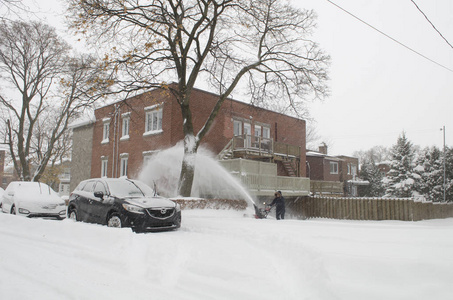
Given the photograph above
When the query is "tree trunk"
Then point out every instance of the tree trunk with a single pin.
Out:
(190, 150)
(187, 173)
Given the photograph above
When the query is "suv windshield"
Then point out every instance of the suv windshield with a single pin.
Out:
(124, 189)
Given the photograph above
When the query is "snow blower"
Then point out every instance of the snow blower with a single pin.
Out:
(261, 213)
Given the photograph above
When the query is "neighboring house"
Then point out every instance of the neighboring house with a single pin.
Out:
(125, 134)
(384, 167)
(82, 149)
(334, 175)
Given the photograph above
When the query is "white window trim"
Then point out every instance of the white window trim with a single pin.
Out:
(239, 122)
(151, 109)
(125, 117)
(105, 121)
(123, 168)
(104, 168)
(258, 128)
(263, 129)
(334, 171)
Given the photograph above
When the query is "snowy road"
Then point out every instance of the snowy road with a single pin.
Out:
(224, 255)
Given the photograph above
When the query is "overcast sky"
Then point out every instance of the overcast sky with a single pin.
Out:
(378, 88)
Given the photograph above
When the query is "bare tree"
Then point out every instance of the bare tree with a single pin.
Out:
(263, 46)
(10, 8)
(48, 88)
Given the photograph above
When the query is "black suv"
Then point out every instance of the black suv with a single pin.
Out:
(121, 202)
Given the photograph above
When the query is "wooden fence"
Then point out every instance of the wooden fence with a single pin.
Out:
(367, 208)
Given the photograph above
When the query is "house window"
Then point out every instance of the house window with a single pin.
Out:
(153, 120)
(266, 132)
(349, 169)
(248, 135)
(257, 130)
(354, 170)
(123, 169)
(333, 168)
(125, 126)
(104, 165)
(237, 127)
(106, 131)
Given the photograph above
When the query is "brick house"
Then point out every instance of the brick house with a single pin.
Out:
(126, 133)
(336, 175)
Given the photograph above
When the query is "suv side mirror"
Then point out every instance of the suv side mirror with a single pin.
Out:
(99, 195)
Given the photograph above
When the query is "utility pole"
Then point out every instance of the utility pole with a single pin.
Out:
(445, 158)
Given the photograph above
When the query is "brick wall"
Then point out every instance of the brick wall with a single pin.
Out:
(316, 171)
(347, 164)
(289, 130)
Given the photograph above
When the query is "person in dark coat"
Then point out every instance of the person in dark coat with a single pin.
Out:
(279, 203)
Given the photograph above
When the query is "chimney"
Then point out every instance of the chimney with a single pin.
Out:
(323, 148)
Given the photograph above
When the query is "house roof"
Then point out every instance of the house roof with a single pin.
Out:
(318, 154)
(83, 121)
(203, 91)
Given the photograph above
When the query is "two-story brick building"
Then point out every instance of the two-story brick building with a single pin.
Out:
(334, 175)
(126, 133)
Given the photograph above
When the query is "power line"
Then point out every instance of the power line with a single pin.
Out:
(389, 37)
(431, 23)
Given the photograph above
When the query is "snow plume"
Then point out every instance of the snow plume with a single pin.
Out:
(211, 179)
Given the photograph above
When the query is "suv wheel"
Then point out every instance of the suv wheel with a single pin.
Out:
(73, 214)
(114, 220)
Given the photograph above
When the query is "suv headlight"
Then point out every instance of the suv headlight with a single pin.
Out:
(178, 207)
(133, 208)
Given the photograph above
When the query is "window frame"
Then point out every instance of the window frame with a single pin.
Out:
(125, 126)
(104, 167)
(105, 130)
(267, 130)
(258, 129)
(334, 164)
(149, 115)
(237, 127)
(124, 163)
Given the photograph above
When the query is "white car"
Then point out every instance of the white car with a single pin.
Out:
(32, 199)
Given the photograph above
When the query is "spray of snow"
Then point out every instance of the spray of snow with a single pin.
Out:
(211, 179)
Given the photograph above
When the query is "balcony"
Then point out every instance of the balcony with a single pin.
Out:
(260, 178)
(249, 146)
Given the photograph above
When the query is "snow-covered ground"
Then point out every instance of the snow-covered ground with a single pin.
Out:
(226, 255)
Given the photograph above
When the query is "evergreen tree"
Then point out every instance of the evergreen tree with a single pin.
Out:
(401, 179)
(430, 169)
(370, 172)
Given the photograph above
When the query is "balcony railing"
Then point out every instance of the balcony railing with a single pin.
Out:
(264, 146)
(261, 179)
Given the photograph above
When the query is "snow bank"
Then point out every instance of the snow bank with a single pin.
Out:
(220, 254)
